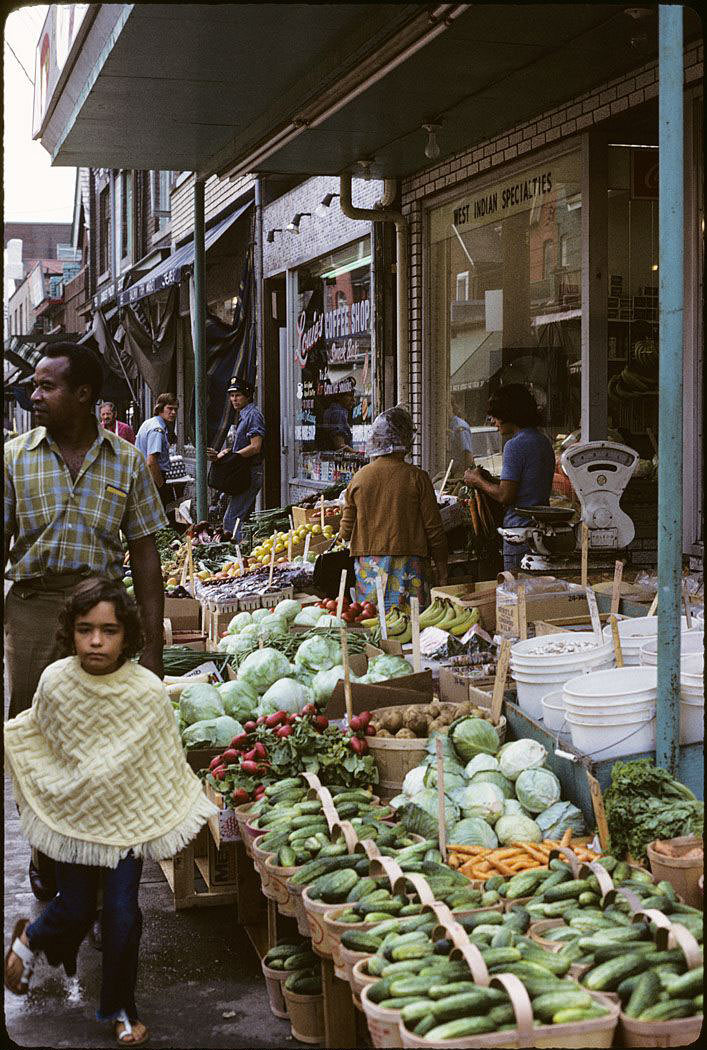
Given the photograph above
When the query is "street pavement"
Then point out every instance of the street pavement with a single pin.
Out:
(199, 986)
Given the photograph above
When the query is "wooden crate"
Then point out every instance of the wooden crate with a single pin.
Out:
(213, 856)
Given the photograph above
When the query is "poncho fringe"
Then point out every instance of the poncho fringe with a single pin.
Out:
(68, 850)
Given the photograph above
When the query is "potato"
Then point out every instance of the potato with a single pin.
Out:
(383, 732)
(392, 721)
(447, 717)
(406, 733)
(434, 709)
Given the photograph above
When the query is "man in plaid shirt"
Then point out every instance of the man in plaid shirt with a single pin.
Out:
(71, 489)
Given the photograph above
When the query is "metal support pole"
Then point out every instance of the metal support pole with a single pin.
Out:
(671, 292)
(199, 337)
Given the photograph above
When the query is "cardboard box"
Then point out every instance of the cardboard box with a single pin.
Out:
(313, 516)
(567, 600)
(570, 623)
(480, 595)
(455, 687)
(184, 613)
(408, 689)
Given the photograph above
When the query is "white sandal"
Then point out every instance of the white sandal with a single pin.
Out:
(26, 956)
(122, 1037)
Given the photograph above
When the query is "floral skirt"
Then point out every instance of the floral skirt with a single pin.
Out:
(407, 577)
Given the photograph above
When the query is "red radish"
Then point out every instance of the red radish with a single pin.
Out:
(260, 721)
(229, 756)
(370, 730)
(309, 709)
(331, 605)
(249, 756)
(239, 796)
(219, 773)
(275, 719)
(291, 719)
(240, 741)
(248, 766)
(358, 745)
(365, 717)
(250, 726)
(284, 731)
(260, 750)
(356, 724)
(320, 722)
(259, 790)
(215, 762)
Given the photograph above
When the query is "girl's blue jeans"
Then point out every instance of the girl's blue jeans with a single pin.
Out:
(62, 926)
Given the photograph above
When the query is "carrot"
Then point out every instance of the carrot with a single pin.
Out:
(473, 850)
(536, 852)
(566, 838)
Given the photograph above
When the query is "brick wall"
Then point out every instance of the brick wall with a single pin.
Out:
(218, 194)
(317, 236)
(548, 128)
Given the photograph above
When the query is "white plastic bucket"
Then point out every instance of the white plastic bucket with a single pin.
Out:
(553, 710)
(612, 712)
(633, 634)
(531, 688)
(692, 721)
(528, 655)
(690, 642)
(618, 683)
(693, 666)
(611, 741)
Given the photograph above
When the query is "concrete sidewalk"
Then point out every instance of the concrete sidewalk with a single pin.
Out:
(200, 982)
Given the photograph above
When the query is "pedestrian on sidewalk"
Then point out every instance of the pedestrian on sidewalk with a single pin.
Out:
(92, 762)
(71, 489)
(109, 420)
(153, 441)
(244, 439)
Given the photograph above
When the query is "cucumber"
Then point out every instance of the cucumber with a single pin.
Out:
(588, 898)
(607, 976)
(375, 966)
(414, 1012)
(332, 849)
(362, 887)
(523, 885)
(625, 989)
(409, 986)
(286, 857)
(573, 1014)
(379, 991)
(460, 1029)
(494, 882)
(460, 1005)
(305, 985)
(395, 1002)
(503, 938)
(557, 908)
(396, 969)
(282, 951)
(618, 948)
(348, 916)
(550, 960)
(669, 1010)
(379, 907)
(442, 991)
(360, 941)
(301, 961)
(644, 994)
(525, 969)
(409, 951)
(425, 1025)
(565, 890)
(546, 1006)
(500, 956)
(502, 1014)
(336, 887)
(687, 984)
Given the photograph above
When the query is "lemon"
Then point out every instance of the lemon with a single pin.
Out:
(316, 530)
(172, 582)
(265, 560)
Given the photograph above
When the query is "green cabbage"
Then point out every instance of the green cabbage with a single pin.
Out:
(453, 774)
(302, 675)
(308, 617)
(473, 736)
(285, 695)
(519, 755)
(288, 608)
(414, 781)
(473, 831)
(263, 667)
(239, 699)
(389, 666)
(272, 626)
(239, 621)
(495, 777)
(330, 620)
(420, 815)
(198, 702)
(259, 614)
(480, 800)
(397, 801)
(249, 631)
(237, 644)
(212, 732)
(537, 789)
(511, 807)
(318, 654)
(517, 828)
(554, 821)
(324, 683)
(447, 746)
(480, 763)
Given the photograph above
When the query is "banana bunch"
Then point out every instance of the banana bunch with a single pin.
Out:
(399, 626)
(449, 617)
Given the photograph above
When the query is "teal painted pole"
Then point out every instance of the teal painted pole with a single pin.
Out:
(199, 337)
(671, 293)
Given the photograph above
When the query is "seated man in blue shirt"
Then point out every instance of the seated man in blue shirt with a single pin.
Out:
(528, 464)
(152, 440)
(335, 429)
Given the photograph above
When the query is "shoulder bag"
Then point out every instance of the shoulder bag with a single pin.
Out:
(231, 474)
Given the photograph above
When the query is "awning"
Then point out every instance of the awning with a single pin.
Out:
(170, 270)
(22, 354)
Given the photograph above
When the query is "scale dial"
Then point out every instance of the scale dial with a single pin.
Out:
(599, 472)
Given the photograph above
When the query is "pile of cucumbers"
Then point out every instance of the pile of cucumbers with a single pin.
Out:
(302, 965)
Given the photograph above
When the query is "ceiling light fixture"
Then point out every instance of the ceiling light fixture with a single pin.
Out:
(270, 236)
(322, 209)
(432, 150)
(293, 227)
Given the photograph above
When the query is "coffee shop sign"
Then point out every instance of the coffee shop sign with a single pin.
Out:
(346, 320)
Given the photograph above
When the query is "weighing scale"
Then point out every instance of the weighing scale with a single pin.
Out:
(599, 472)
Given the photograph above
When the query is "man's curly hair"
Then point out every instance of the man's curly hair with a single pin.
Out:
(89, 593)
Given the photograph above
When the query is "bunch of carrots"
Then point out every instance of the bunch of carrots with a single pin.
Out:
(480, 862)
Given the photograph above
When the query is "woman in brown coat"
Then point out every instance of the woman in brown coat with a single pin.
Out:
(392, 520)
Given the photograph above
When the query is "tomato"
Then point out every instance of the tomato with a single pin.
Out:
(331, 605)
(284, 731)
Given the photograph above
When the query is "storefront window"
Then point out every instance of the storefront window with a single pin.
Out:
(505, 294)
(632, 314)
(333, 377)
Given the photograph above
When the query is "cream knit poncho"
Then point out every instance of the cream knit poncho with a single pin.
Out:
(98, 768)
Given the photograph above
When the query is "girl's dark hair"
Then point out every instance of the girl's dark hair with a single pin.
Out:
(515, 404)
(90, 593)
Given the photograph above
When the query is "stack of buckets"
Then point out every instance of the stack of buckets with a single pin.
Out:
(692, 697)
(634, 633)
(537, 673)
(612, 713)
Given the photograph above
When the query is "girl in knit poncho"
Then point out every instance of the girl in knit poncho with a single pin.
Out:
(101, 782)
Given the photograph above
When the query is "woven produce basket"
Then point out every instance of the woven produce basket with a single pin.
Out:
(597, 1032)
(306, 1013)
(298, 907)
(537, 929)
(383, 1024)
(396, 756)
(683, 1031)
(683, 875)
(334, 932)
(241, 815)
(259, 857)
(274, 981)
(277, 886)
(322, 938)
(359, 977)
(249, 834)
(349, 959)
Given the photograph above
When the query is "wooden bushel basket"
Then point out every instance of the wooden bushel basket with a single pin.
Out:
(306, 1013)
(274, 981)
(278, 886)
(683, 1031)
(383, 1024)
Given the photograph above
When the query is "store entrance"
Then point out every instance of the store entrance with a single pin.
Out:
(274, 324)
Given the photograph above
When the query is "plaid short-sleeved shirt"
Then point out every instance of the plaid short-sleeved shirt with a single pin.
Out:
(63, 526)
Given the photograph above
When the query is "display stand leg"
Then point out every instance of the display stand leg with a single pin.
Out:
(339, 1010)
